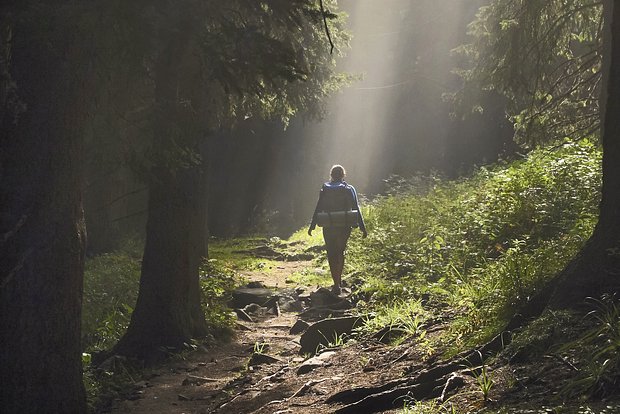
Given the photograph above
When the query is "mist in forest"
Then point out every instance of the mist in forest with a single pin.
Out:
(393, 119)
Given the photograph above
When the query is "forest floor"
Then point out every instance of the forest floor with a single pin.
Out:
(258, 371)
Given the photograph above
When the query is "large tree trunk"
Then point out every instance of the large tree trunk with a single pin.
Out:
(596, 269)
(168, 311)
(41, 231)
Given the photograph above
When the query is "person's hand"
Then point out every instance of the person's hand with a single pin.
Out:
(364, 234)
(310, 232)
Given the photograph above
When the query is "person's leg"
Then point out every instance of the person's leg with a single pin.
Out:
(343, 238)
(336, 243)
(332, 259)
(330, 235)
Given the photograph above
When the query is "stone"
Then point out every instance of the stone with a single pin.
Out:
(255, 309)
(260, 359)
(323, 297)
(324, 332)
(315, 362)
(317, 314)
(245, 296)
(299, 327)
(243, 315)
(290, 304)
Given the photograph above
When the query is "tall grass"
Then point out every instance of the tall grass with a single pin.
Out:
(485, 244)
(110, 292)
(111, 283)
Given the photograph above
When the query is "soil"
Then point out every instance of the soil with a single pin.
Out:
(222, 380)
(230, 385)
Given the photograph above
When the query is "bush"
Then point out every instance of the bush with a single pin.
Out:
(484, 244)
(217, 282)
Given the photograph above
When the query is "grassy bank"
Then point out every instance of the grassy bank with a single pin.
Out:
(481, 246)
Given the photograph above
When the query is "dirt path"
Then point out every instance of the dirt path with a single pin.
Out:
(224, 380)
(220, 380)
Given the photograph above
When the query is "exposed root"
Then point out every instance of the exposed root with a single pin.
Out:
(434, 382)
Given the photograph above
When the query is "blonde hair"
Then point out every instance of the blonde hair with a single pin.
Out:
(337, 172)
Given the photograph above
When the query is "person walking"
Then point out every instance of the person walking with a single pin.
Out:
(338, 212)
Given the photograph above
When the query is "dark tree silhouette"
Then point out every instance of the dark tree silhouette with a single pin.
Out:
(43, 102)
(168, 311)
(596, 269)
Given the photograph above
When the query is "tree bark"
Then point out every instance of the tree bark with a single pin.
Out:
(41, 230)
(168, 311)
(596, 269)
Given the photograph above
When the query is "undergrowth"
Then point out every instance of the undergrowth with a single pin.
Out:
(479, 247)
(111, 284)
(110, 292)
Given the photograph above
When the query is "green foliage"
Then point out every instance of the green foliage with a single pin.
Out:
(483, 380)
(597, 353)
(544, 57)
(217, 283)
(233, 255)
(335, 341)
(428, 407)
(482, 245)
(273, 56)
(111, 284)
(405, 316)
(540, 336)
(260, 348)
(311, 277)
(110, 292)
(116, 380)
(240, 60)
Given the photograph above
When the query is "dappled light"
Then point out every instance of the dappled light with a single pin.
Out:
(310, 206)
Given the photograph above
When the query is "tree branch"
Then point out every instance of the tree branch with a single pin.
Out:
(329, 36)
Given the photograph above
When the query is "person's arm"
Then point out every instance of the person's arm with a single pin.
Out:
(316, 211)
(356, 205)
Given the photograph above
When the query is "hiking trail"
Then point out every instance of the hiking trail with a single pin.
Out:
(259, 370)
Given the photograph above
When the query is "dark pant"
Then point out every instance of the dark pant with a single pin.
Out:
(336, 242)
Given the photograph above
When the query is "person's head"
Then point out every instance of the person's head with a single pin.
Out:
(337, 173)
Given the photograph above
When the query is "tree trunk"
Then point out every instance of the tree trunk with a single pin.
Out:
(41, 231)
(596, 269)
(168, 311)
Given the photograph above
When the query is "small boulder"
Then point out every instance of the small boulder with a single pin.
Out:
(243, 315)
(316, 362)
(255, 309)
(260, 359)
(323, 297)
(325, 331)
(290, 304)
(299, 327)
(245, 296)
